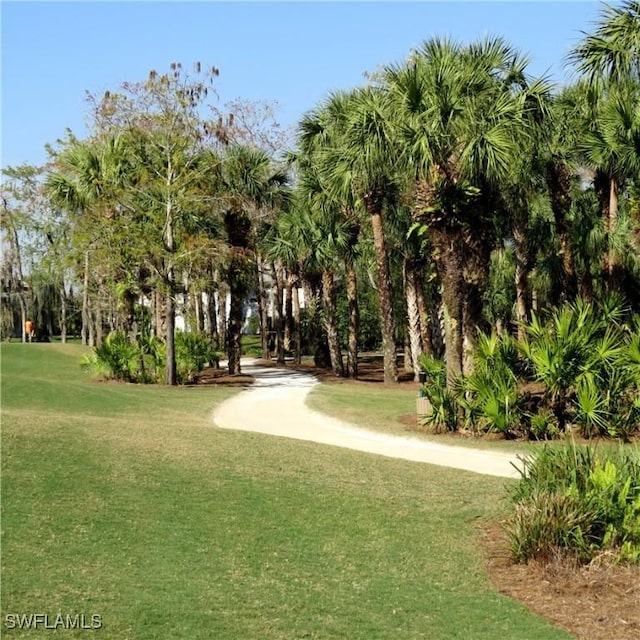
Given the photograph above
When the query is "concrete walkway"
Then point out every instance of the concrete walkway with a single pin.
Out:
(276, 405)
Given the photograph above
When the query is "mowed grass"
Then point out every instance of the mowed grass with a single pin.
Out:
(126, 502)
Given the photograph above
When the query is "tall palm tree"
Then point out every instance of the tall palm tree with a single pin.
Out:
(459, 112)
(362, 163)
(88, 180)
(252, 185)
(612, 52)
(320, 140)
(608, 120)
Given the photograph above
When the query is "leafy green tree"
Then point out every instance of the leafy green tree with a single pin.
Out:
(87, 180)
(362, 164)
(321, 141)
(609, 61)
(612, 52)
(13, 282)
(167, 134)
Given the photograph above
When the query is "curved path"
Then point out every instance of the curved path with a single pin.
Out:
(276, 405)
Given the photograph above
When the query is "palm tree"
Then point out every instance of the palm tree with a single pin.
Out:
(609, 61)
(459, 112)
(612, 52)
(611, 146)
(321, 137)
(608, 144)
(87, 181)
(362, 163)
(252, 185)
(315, 240)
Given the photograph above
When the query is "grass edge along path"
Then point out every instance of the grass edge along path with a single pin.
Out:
(381, 408)
(123, 501)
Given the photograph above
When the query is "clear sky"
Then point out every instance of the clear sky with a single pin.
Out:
(290, 52)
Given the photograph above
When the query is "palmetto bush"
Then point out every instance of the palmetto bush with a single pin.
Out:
(578, 502)
(585, 357)
(193, 352)
(489, 396)
(115, 358)
(144, 361)
(582, 361)
(443, 413)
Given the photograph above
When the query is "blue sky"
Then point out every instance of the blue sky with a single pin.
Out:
(290, 52)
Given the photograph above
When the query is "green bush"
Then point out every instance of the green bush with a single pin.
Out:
(578, 502)
(144, 361)
(578, 367)
(489, 396)
(153, 358)
(193, 353)
(115, 358)
(442, 416)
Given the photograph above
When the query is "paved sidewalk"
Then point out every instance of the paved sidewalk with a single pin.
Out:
(276, 405)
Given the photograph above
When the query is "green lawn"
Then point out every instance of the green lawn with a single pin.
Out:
(124, 501)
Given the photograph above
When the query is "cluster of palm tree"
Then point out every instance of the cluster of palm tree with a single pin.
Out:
(453, 189)
(455, 166)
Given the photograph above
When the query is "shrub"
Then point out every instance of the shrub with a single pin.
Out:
(490, 395)
(145, 360)
(443, 413)
(193, 352)
(115, 358)
(153, 358)
(578, 502)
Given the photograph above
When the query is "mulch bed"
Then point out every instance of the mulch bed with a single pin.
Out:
(594, 602)
(213, 376)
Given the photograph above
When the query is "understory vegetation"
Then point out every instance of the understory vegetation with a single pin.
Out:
(577, 368)
(144, 360)
(579, 503)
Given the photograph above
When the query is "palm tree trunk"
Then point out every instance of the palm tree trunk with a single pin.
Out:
(522, 271)
(331, 323)
(236, 305)
(199, 311)
(288, 309)
(278, 313)
(559, 185)
(212, 315)
(86, 315)
(426, 334)
(384, 290)
(451, 263)
(171, 370)
(170, 376)
(413, 316)
(63, 314)
(612, 225)
(262, 307)
(98, 314)
(354, 320)
(297, 346)
(222, 314)
(602, 186)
